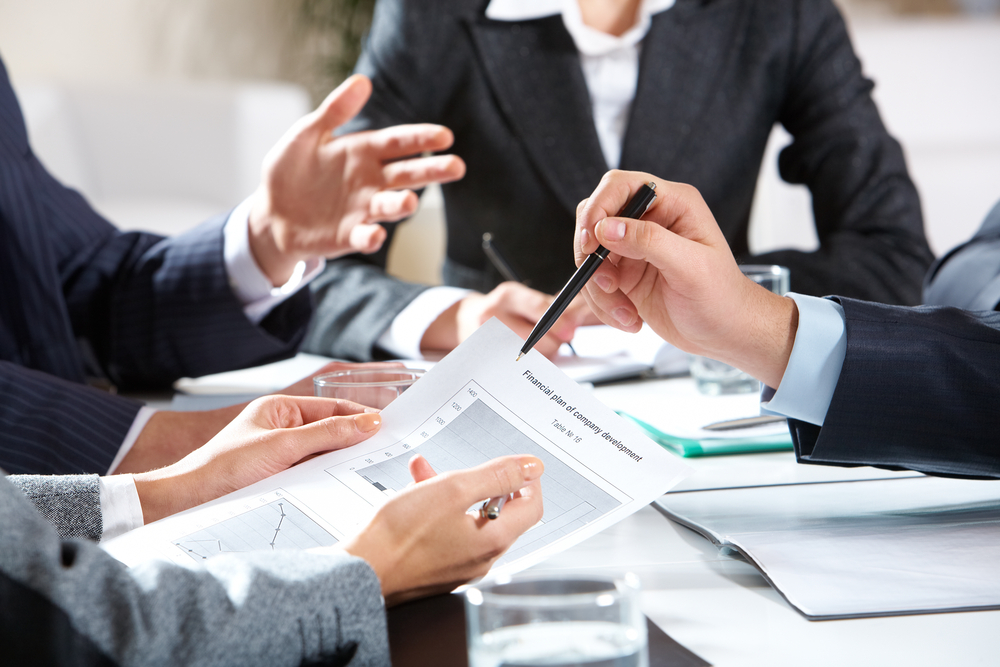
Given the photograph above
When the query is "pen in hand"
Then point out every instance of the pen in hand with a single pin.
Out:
(491, 508)
(633, 209)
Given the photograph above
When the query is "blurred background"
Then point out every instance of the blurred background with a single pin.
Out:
(160, 111)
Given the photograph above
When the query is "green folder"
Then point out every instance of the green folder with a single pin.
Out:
(689, 447)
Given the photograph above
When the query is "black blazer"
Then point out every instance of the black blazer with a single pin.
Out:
(919, 390)
(714, 77)
(78, 298)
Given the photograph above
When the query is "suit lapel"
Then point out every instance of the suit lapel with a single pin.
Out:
(680, 69)
(534, 70)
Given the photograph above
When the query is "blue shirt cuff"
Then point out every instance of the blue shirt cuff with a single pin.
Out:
(814, 366)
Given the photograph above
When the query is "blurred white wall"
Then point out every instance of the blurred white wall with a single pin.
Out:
(937, 84)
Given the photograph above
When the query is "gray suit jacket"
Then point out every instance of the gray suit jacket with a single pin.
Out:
(67, 602)
(714, 77)
(969, 275)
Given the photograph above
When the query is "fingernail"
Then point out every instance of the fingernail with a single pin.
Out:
(584, 237)
(623, 315)
(367, 421)
(603, 282)
(373, 410)
(532, 467)
(614, 230)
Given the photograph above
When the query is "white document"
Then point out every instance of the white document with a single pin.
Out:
(851, 549)
(474, 405)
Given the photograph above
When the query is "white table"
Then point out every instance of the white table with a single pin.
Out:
(721, 608)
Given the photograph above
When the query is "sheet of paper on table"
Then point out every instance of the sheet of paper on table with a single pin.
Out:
(853, 549)
(474, 405)
(675, 416)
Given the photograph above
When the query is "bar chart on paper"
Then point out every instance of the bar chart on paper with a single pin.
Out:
(276, 524)
(471, 428)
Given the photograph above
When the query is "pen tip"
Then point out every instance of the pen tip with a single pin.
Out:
(519, 357)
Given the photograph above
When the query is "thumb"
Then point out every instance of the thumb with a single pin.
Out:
(334, 433)
(343, 103)
(647, 241)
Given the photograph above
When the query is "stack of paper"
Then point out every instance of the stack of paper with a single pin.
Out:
(851, 549)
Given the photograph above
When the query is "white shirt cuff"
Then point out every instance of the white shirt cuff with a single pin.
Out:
(814, 366)
(121, 510)
(141, 419)
(402, 338)
(253, 289)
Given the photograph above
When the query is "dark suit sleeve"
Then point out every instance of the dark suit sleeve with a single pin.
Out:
(52, 426)
(918, 390)
(154, 309)
(69, 602)
(867, 212)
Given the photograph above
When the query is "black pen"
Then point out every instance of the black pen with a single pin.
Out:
(501, 264)
(633, 209)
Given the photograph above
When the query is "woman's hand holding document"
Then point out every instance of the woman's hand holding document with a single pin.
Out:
(478, 418)
(423, 542)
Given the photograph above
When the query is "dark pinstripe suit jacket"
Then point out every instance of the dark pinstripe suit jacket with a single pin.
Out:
(919, 389)
(79, 298)
(714, 77)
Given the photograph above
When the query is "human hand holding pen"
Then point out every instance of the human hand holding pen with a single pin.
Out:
(423, 541)
(674, 270)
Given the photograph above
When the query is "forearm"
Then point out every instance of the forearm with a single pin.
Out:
(761, 339)
(299, 608)
(170, 436)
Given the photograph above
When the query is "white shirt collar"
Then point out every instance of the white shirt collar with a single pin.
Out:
(588, 41)
(526, 10)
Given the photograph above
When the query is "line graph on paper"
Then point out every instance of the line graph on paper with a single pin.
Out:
(276, 523)
(473, 427)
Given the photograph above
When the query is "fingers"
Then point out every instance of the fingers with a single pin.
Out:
(392, 205)
(313, 408)
(420, 469)
(420, 171)
(405, 140)
(343, 103)
(366, 238)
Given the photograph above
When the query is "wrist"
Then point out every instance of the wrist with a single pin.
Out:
(169, 436)
(162, 493)
(764, 342)
(268, 250)
(442, 334)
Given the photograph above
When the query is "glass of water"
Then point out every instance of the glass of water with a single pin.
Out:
(585, 621)
(714, 377)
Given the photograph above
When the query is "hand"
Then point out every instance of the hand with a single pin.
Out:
(674, 270)
(272, 434)
(321, 196)
(169, 436)
(515, 305)
(423, 541)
